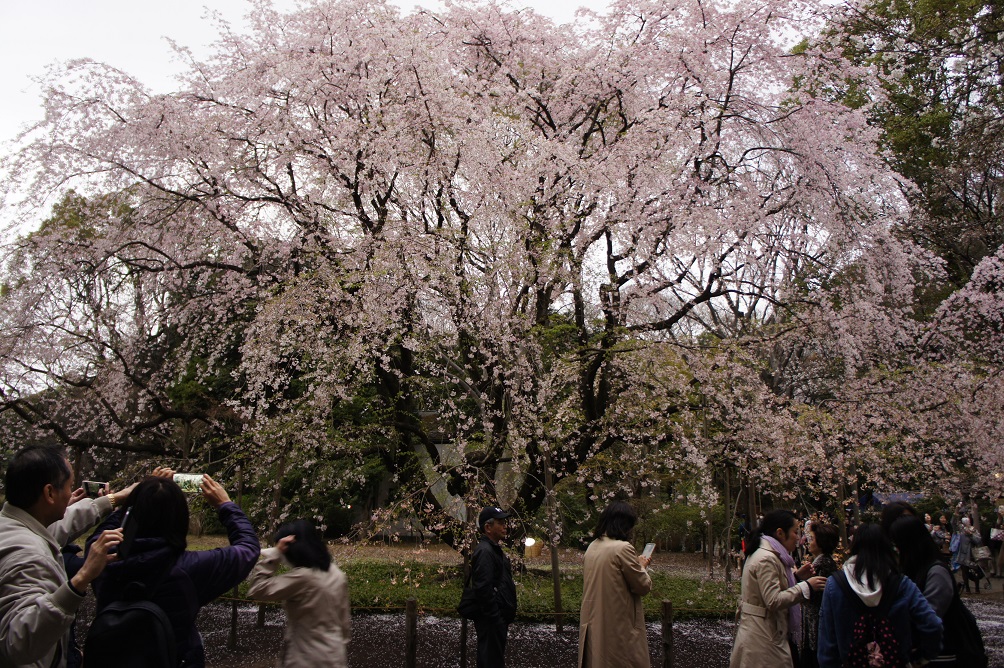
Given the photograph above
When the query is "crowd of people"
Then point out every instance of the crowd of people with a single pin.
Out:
(137, 558)
(893, 601)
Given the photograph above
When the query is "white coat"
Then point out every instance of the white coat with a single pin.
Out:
(318, 621)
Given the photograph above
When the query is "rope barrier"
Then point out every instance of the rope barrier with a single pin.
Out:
(720, 612)
(412, 611)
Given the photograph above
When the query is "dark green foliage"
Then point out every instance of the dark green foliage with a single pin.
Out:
(941, 65)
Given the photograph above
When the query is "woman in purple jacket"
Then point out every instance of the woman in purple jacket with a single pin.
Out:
(158, 566)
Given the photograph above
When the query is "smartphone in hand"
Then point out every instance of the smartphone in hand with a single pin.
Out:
(129, 527)
(648, 551)
(189, 482)
(93, 488)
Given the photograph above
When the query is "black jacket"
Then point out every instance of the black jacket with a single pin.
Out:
(491, 579)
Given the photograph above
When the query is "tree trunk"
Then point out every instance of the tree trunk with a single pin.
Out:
(552, 513)
(730, 517)
(841, 515)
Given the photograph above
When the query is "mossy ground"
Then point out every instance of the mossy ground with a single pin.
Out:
(383, 577)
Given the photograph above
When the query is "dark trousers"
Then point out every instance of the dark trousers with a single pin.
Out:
(796, 661)
(491, 643)
(971, 574)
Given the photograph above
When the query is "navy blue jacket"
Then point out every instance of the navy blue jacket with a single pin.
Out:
(185, 581)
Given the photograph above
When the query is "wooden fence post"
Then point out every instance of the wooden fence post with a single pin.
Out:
(411, 633)
(667, 634)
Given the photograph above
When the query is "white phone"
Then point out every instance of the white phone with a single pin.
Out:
(649, 549)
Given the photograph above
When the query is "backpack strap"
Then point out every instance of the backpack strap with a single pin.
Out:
(926, 571)
(841, 578)
(890, 591)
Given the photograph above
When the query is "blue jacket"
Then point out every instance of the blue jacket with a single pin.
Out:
(185, 581)
(911, 617)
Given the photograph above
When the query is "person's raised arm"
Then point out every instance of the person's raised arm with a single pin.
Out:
(215, 571)
(263, 586)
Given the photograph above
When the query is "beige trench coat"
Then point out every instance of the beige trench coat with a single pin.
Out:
(612, 624)
(762, 639)
(318, 622)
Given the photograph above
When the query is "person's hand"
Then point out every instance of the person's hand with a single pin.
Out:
(213, 492)
(817, 582)
(163, 472)
(122, 495)
(97, 558)
(645, 561)
(77, 495)
(284, 543)
(805, 572)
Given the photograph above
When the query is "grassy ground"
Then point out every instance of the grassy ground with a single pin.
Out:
(384, 577)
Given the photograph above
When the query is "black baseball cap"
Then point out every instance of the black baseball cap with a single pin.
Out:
(490, 513)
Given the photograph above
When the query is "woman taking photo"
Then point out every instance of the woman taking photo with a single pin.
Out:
(770, 615)
(870, 582)
(160, 566)
(314, 594)
(612, 620)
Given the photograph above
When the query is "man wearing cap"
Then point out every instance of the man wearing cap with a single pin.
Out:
(491, 579)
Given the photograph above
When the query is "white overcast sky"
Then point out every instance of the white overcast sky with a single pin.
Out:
(129, 35)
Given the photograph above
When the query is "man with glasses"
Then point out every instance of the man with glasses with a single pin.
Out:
(491, 579)
(41, 515)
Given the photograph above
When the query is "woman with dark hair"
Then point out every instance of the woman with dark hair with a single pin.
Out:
(870, 581)
(893, 511)
(922, 561)
(944, 530)
(157, 566)
(823, 540)
(314, 594)
(612, 620)
(770, 618)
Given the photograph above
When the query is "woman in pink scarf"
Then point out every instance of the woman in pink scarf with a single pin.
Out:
(770, 616)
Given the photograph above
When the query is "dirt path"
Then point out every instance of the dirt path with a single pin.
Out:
(378, 640)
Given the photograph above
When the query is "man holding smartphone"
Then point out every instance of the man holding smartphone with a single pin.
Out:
(37, 601)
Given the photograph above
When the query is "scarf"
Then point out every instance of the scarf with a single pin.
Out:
(795, 611)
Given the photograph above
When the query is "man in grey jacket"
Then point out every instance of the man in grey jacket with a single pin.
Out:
(37, 602)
